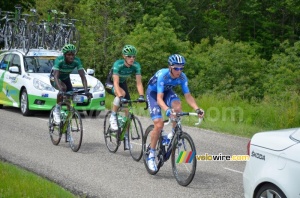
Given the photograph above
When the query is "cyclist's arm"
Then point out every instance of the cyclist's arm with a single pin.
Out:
(83, 79)
(139, 84)
(191, 101)
(56, 79)
(116, 80)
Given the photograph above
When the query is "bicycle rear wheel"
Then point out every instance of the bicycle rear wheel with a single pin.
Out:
(75, 131)
(111, 137)
(146, 151)
(136, 139)
(54, 130)
(183, 159)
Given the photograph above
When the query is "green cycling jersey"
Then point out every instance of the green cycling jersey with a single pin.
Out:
(64, 68)
(120, 69)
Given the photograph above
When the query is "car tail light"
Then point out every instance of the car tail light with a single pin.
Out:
(248, 147)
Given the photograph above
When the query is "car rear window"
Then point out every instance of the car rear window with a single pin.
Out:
(39, 64)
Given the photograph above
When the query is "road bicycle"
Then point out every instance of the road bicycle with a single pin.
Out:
(130, 125)
(6, 29)
(181, 149)
(71, 122)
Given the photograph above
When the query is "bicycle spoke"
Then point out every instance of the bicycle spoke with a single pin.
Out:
(75, 131)
(136, 139)
(111, 138)
(54, 130)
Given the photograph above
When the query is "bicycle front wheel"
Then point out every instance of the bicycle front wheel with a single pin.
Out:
(54, 130)
(136, 139)
(111, 137)
(75, 131)
(183, 159)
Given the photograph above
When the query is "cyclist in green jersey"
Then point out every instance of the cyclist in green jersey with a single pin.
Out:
(60, 75)
(116, 82)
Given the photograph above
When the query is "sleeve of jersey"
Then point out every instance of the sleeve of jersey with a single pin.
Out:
(56, 64)
(184, 85)
(116, 68)
(79, 64)
(138, 69)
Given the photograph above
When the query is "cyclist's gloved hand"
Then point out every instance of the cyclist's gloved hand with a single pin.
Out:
(122, 99)
(141, 98)
(168, 112)
(200, 112)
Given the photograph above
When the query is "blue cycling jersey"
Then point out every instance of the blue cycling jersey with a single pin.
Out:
(162, 81)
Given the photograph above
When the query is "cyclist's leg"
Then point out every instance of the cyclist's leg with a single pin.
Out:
(56, 112)
(172, 100)
(155, 114)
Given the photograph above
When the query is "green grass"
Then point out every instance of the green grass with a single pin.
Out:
(17, 182)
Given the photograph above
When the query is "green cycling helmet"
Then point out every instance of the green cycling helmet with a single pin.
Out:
(129, 50)
(68, 48)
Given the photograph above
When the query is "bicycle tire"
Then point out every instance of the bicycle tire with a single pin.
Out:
(54, 130)
(75, 130)
(184, 168)
(111, 138)
(146, 148)
(9, 35)
(135, 138)
(74, 38)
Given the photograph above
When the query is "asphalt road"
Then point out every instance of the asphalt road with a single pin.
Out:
(95, 172)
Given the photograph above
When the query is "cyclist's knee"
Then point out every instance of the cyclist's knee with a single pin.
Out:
(158, 124)
(176, 106)
(116, 101)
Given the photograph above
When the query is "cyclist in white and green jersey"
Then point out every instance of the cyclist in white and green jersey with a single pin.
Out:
(116, 82)
(60, 75)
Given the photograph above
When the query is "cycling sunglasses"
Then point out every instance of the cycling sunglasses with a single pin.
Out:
(130, 56)
(178, 68)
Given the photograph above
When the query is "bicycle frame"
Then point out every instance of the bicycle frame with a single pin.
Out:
(129, 116)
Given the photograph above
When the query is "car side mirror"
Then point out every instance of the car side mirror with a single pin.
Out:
(14, 69)
(90, 72)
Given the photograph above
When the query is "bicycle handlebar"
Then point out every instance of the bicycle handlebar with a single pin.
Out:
(184, 114)
(134, 101)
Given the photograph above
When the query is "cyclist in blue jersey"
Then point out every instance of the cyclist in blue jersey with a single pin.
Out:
(160, 95)
(60, 75)
(116, 83)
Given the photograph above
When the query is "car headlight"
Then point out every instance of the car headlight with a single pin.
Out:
(38, 84)
(98, 87)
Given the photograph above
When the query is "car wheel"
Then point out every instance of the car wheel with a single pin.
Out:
(1, 106)
(270, 190)
(24, 105)
(93, 113)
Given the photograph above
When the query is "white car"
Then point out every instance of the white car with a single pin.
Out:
(24, 82)
(274, 166)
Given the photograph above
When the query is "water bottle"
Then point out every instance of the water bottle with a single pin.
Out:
(63, 115)
(165, 139)
(121, 120)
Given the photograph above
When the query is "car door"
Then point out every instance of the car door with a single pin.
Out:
(4, 64)
(13, 81)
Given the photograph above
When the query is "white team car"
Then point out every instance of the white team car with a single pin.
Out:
(24, 82)
(274, 166)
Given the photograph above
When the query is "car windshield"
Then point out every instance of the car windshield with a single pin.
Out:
(41, 64)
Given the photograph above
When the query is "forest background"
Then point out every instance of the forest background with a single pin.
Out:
(243, 57)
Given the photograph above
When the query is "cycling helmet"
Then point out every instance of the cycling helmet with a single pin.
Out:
(176, 59)
(129, 50)
(68, 48)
